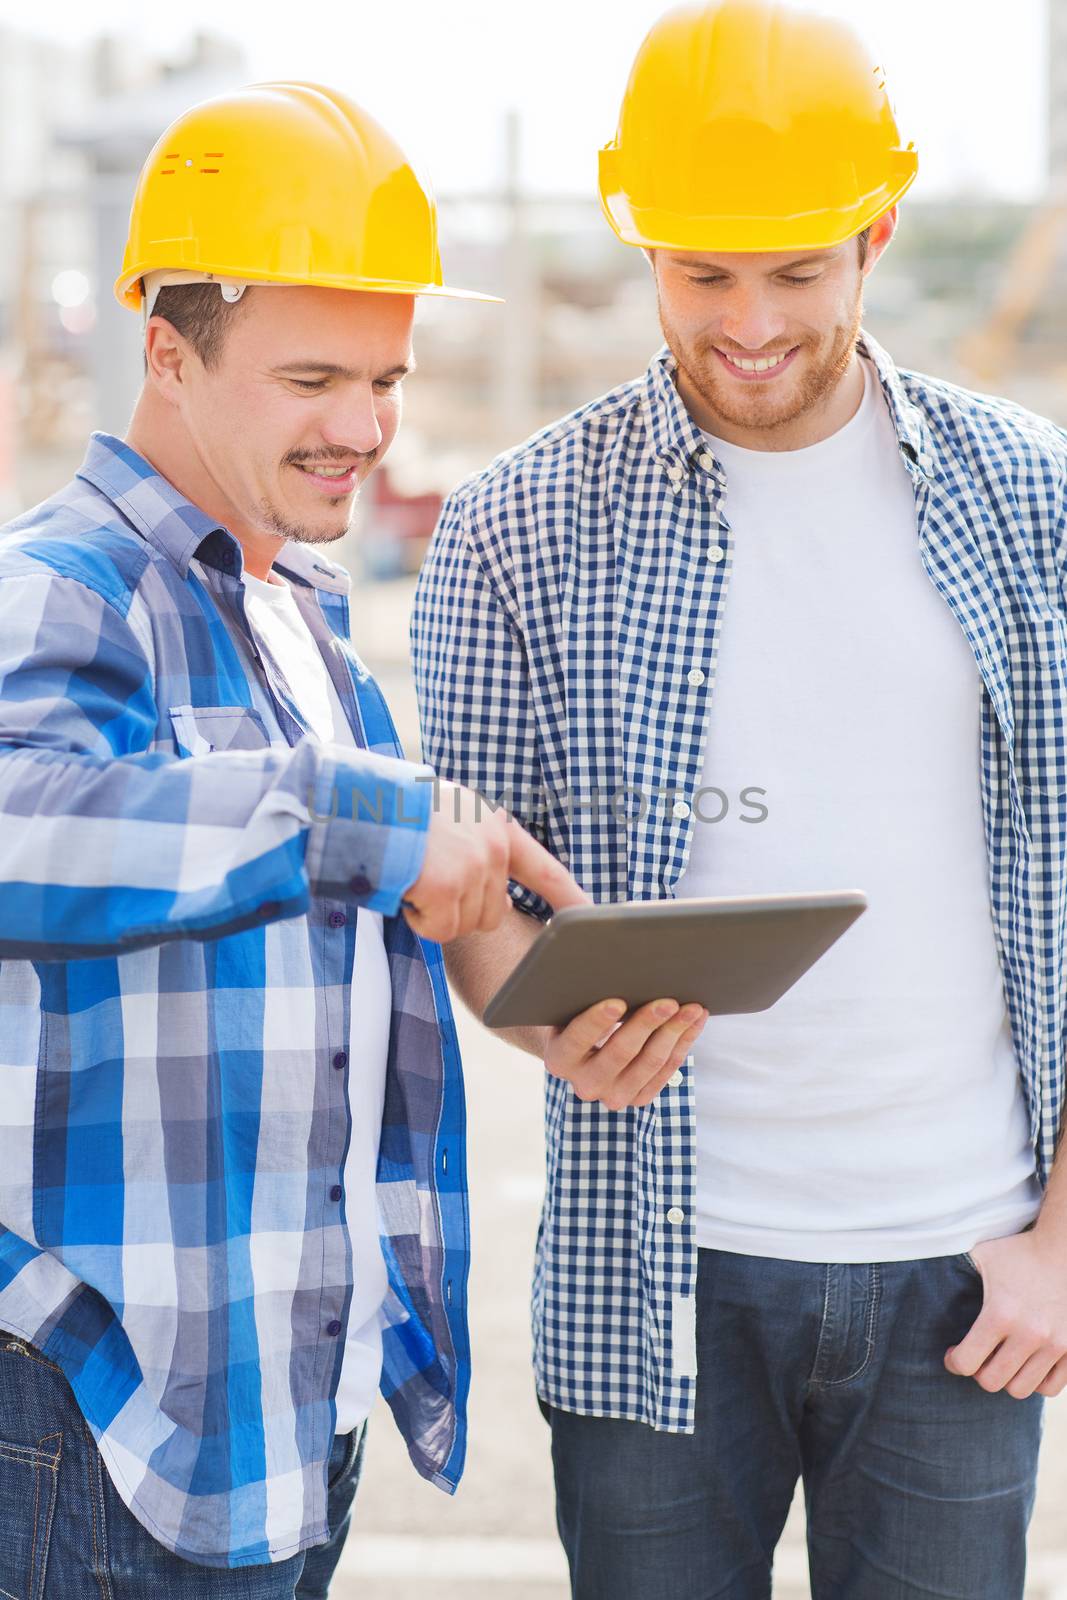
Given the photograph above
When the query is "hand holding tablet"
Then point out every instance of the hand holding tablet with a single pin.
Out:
(623, 1063)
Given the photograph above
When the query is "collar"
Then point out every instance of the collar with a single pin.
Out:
(178, 529)
(681, 447)
(677, 442)
(913, 432)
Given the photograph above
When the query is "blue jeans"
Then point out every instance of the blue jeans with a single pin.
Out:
(917, 1483)
(66, 1535)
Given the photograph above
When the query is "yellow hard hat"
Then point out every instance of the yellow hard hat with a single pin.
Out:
(284, 183)
(753, 125)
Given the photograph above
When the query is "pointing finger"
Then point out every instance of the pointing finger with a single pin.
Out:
(530, 864)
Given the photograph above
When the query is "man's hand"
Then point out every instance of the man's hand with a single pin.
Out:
(1019, 1340)
(471, 853)
(623, 1063)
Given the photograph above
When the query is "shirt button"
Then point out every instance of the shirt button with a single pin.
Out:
(340, 1059)
(676, 1214)
(705, 459)
(695, 676)
(359, 884)
(680, 809)
(337, 919)
(716, 553)
(336, 1192)
(675, 1079)
(333, 1328)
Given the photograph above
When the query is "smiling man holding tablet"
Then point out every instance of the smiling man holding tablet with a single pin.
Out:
(833, 1242)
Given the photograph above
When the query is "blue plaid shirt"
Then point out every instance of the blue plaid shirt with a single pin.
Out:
(181, 871)
(569, 590)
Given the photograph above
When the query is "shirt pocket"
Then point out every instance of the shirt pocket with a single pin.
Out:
(200, 729)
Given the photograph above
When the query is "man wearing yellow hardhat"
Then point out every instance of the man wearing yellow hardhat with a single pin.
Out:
(233, 1192)
(778, 617)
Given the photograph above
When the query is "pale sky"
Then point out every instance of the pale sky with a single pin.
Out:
(967, 76)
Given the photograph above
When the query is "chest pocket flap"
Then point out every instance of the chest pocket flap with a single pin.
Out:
(201, 729)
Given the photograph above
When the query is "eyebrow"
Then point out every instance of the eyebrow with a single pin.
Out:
(786, 266)
(331, 369)
(807, 261)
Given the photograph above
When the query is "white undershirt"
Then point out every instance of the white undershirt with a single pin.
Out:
(876, 1111)
(275, 619)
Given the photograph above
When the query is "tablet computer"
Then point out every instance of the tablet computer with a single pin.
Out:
(730, 955)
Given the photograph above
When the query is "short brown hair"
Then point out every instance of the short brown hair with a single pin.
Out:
(199, 313)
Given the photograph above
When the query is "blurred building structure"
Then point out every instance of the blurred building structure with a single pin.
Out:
(1019, 345)
(35, 79)
(1057, 89)
(75, 125)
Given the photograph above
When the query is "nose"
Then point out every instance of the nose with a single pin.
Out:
(351, 422)
(749, 318)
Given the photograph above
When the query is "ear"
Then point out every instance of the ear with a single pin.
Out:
(882, 232)
(165, 354)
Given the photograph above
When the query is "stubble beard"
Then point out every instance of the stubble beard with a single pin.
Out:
(818, 379)
(299, 533)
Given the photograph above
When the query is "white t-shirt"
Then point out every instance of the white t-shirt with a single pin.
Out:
(275, 618)
(876, 1111)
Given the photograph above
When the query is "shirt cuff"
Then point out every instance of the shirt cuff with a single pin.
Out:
(369, 826)
(525, 900)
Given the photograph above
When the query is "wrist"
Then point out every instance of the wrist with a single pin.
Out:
(1049, 1233)
(533, 1041)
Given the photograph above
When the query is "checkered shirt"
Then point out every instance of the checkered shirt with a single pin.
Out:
(181, 871)
(569, 590)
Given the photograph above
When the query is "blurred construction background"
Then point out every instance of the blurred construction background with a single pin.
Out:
(507, 114)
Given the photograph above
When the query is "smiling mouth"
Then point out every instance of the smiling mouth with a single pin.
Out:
(328, 476)
(755, 367)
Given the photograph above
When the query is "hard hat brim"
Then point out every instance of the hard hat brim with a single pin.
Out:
(654, 229)
(128, 285)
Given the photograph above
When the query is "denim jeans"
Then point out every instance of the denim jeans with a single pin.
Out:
(66, 1535)
(917, 1483)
